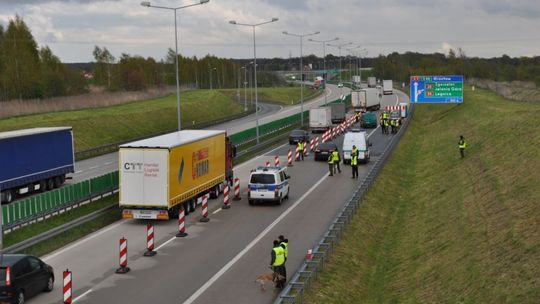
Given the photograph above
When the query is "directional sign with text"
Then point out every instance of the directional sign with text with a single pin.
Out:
(436, 89)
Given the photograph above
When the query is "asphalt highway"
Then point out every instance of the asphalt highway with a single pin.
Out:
(218, 261)
(104, 164)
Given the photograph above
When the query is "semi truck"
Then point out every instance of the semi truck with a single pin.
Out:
(161, 175)
(320, 119)
(338, 112)
(366, 100)
(372, 82)
(36, 159)
(388, 87)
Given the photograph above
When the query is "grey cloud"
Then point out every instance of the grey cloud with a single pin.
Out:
(289, 4)
(525, 9)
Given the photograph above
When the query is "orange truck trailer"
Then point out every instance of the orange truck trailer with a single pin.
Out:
(162, 174)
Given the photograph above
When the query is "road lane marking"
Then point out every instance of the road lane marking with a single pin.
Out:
(218, 210)
(227, 266)
(167, 242)
(98, 233)
(84, 294)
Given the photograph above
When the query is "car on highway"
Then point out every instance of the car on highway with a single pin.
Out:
(368, 120)
(268, 184)
(323, 150)
(395, 115)
(23, 276)
(296, 135)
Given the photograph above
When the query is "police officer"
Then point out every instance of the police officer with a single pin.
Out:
(336, 159)
(331, 163)
(386, 124)
(301, 146)
(462, 145)
(393, 125)
(278, 263)
(284, 243)
(354, 162)
(383, 127)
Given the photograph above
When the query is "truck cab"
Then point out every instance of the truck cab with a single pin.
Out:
(268, 184)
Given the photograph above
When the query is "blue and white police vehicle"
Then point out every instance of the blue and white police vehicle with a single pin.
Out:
(268, 184)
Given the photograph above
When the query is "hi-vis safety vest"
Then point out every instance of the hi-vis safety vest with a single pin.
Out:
(300, 146)
(385, 121)
(335, 156)
(280, 256)
(462, 144)
(330, 158)
(385, 115)
(285, 247)
(354, 160)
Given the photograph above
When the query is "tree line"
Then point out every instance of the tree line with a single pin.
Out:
(401, 66)
(28, 71)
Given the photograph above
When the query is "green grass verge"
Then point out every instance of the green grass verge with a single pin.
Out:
(435, 228)
(96, 127)
(280, 95)
(58, 220)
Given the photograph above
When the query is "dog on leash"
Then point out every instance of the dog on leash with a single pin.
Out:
(268, 277)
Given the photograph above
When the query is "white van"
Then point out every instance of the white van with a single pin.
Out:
(359, 139)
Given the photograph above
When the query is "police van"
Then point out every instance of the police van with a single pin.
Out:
(268, 184)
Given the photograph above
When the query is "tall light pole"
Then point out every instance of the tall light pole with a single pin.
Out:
(148, 4)
(245, 86)
(350, 59)
(301, 36)
(340, 46)
(324, 42)
(255, 66)
(238, 91)
(211, 78)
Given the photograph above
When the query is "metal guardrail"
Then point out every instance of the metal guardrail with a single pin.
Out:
(309, 270)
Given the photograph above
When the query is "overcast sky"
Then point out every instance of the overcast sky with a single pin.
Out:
(484, 28)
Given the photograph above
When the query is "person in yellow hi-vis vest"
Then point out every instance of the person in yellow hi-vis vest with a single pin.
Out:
(278, 263)
(301, 147)
(462, 145)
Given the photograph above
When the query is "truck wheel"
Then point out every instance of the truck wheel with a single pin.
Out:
(186, 208)
(57, 182)
(50, 184)
(6, 197)
(280, 200)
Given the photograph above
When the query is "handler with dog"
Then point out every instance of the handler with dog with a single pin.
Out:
(278, 263)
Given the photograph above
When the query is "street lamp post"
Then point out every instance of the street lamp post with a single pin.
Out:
(350, 59)
(211, 78)
(238, 91)
(339, 46)
(324, 42)
(148, 4)
(255, 67)
(301, 36)
(245, 86)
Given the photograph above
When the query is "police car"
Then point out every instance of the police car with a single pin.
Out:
(268, 184)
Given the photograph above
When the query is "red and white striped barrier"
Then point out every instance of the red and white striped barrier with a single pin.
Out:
(312, 144)
(289, 158)
(204, 208)
(276, 161)
(237, 188)
(123, 257)
(267, 164)
(394, 108)
(306, 148)
(67, 287)
(297, 156)
(181, 223)
(149, 240)
(226, 201)
(316, 142)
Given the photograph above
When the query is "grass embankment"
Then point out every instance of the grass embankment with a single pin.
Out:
(435, 228)
(96, 127)
(280, 95)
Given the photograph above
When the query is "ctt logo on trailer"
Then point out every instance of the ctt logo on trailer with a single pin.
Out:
(181, 171)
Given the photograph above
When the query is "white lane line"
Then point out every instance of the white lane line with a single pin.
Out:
(256, 158)
(77, 172)
(167, 242)
(93, 167)
(84, 294)
(218, 210)
(108, 163)
(46, 258)
(227, 266)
